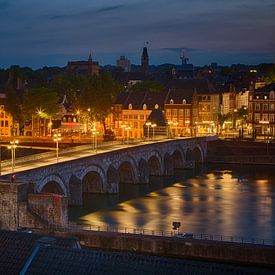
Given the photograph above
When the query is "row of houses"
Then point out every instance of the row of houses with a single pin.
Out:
(188, 107)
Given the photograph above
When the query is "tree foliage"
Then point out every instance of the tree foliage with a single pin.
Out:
(98, 94)
(148, 85)
(42, 99)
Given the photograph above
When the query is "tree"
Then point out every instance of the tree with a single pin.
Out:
(151, 86)
(43, 99)
(98, 95)
(14, 107)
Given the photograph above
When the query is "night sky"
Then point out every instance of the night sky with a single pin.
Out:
(40, 33)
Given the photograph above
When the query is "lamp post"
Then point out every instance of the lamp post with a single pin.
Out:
(123, 126)
(148, 124)
(176, 132)
(57, 138)
(95, 132)
(154, 125)
(169, 128)
(12, 147)
(128, 133)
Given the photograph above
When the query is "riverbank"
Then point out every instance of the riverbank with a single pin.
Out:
(241, 152)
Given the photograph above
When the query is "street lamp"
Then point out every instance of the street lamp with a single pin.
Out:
(148, 124)
(153, 126)
(57, 138)
(95, 133)
(176, 132)
(128, 133)
(13, 145)
(169, 128)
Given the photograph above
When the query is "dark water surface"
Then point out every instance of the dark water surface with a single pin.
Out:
(224, 200)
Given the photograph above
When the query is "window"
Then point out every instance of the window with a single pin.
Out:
(171, 101)
(135, 125)
(130, 107)
(135, 116)
(181, 113)
(265, 97)
(130, 116)
(156, 106)
(168, 112)
(184, 101)
(6, 123)
(271, 117)
(144, 107)
(187, 112)
(141, 116)
(174, 112)
(265, 117)
(257, 117)
(257, 107)
(265, 107)
(271, 107)
(125, 116)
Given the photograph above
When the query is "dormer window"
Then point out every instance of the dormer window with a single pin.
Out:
(265, 97)
(130, 107)
(171, 101)
(144, 107)
(156, 106)
(271, 95)
(184, 101)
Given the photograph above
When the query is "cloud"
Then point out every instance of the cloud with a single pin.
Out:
(110, 8)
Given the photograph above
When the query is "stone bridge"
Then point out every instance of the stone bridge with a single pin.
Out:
(104, 172)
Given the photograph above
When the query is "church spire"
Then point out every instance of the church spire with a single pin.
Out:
(145, 60)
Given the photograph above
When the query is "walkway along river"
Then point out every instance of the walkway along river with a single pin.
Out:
(214, 199)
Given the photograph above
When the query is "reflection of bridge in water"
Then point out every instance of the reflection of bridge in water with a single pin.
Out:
(102, 173)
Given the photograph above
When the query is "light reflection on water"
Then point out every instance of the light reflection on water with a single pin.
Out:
(239, 201)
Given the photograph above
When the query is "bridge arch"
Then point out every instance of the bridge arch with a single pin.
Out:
(198, 154)
(189, 155)
(143, 171)
(178, 159)
(168, 165)
(93, 179)
(52, 184)
(154, 165)
(126, 172)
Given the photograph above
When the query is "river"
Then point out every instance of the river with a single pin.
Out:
(223, 200)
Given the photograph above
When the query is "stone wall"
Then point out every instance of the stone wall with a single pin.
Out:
(20, 209)
(177, 247)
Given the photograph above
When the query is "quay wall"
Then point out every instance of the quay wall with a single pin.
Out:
(249, 254)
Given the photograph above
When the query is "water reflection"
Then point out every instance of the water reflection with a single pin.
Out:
(237, 201)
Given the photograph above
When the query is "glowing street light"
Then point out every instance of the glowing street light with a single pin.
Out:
(13, 145)
(154, 125)
(95, 132)
(128, 133)
(57, 138)
(148, 124)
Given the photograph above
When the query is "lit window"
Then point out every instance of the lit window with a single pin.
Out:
(156, 106)
(184, 101)
(171, 101)
(130, 107)
(144, 107)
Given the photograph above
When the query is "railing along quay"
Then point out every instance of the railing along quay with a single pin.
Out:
(172, 233)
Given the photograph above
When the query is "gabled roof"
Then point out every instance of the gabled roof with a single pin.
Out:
(180, 89)
(157, 117)
(266, 89)
(138, 98)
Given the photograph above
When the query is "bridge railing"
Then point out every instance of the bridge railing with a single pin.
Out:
(172, 233)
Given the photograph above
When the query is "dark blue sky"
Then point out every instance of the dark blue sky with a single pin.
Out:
(37, 32)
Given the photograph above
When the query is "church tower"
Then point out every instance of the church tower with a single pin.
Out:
(145, 61)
